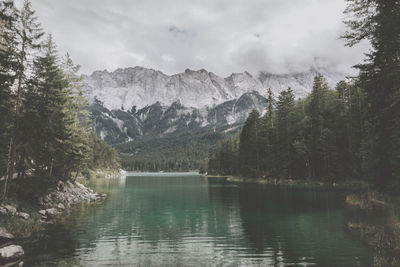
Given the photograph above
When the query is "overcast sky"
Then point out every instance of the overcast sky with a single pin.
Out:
(222, 36)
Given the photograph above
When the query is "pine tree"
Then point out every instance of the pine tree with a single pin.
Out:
(285, 109)
(76, 90)
(350, 128)
(248, 146)
(8, 67)
(267, 137)
(378, 21)
(80, 124)
(301, 159)
(315, 113)
(55, 144)
(28, 34)
(270, 108)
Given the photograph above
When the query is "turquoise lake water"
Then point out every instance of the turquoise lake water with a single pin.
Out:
(190, 220)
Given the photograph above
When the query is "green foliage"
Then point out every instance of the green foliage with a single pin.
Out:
(224, 157)
(314, 138)
(174, 152)
(284, 118)
(248, 146)
(8, 67)
(45, 131)
(101, 155)
(378, 21)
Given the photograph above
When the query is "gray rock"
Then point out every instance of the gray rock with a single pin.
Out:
(10, 209)
(3, 211)
(81, 186)
(11, 252)
(104, 195)
(4, 235)
(23, 215)
(61, 206)
(42, 212)
(52, 212)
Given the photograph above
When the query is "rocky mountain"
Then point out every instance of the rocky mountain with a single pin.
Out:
(141, 87)
(300, 82)
(136, 102)
(117, 126)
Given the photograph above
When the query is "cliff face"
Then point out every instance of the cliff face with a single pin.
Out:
(133, 102)
(117, 126)
(142, 87)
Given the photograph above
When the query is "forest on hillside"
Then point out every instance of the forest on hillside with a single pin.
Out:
(349, 132)
(177, 152)
(46, 134)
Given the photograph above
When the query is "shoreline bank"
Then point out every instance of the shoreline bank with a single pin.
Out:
(291, 182)
(20, 218)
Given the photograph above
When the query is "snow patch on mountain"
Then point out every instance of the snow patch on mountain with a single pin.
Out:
(140, 87)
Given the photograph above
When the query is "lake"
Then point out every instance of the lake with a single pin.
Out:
(190, 220)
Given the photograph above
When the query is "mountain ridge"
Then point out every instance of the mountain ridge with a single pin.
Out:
(139, 87)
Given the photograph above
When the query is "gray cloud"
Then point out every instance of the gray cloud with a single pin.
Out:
(222, 36)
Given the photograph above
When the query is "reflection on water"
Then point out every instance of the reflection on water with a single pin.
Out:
(159, 219)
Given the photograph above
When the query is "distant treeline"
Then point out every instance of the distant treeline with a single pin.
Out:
(44, 127)
(351, 132)
(182, 152)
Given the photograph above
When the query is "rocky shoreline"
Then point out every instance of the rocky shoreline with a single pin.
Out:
(64, 196)
(290, 182)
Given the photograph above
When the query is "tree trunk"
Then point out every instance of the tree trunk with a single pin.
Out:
(51, 168)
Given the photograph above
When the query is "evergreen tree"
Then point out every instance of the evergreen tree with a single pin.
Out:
(267, 137)
(378, 21)
(28, 34)
(101, 155)
(316, 125)
(248, 146)
(270, 108)
(57, 144)
(285, 109)
(350, 128)
(79, 125)
(8, 67)
(76, 86)
(301, 157)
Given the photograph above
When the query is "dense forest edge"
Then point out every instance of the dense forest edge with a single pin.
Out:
(47, 138)
(46, 132)
(351, 132)
(181, 152)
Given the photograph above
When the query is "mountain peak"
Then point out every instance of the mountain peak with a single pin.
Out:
(139, 86)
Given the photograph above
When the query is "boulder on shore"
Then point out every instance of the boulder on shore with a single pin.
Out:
(3, 211)
(23, 215)
(11, 252)
(68, 194)
(52, 212)
(4, 235)
(10, 209)
(42, 212)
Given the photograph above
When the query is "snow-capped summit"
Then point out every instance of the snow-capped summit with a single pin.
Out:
(142, 87)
